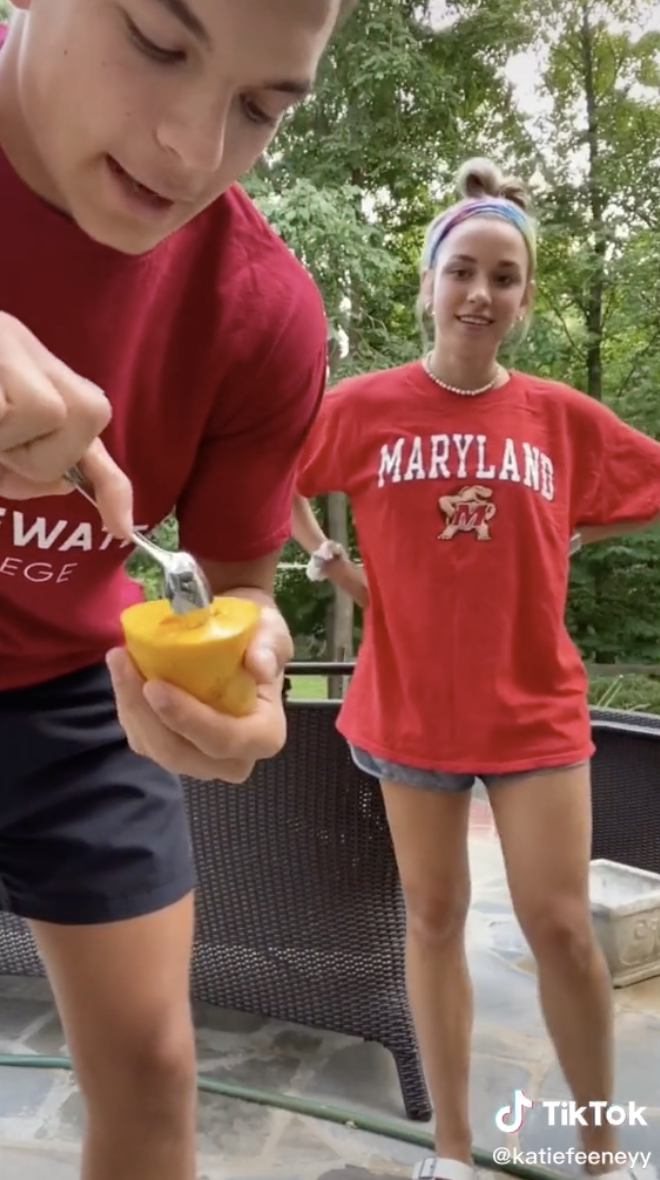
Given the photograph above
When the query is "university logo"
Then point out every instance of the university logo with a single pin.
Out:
(470, 510)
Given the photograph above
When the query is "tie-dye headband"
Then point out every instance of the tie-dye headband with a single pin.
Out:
(491, 206)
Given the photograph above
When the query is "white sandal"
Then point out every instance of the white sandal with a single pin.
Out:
(437, 1168)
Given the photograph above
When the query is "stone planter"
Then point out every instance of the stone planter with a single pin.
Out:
(625, 909)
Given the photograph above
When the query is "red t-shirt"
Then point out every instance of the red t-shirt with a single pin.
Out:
(212, 351)
(464, 508)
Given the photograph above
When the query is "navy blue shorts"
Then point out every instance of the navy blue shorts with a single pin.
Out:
(89, 831)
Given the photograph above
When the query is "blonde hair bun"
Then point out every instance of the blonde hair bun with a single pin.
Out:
(480, 178)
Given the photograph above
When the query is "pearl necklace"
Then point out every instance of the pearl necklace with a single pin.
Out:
(426, 363)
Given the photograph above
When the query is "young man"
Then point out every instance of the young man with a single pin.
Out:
(143, 300)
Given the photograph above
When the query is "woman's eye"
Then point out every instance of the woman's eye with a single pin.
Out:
(151, 50)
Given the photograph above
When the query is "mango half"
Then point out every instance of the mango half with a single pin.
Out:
(200, 652)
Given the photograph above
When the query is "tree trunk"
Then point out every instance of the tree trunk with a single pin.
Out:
(340, 616)
(341, 635)
(594, 303)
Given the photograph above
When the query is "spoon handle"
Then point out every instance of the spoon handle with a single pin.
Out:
(80, 482)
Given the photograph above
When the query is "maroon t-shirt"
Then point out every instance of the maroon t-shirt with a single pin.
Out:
(212, 351)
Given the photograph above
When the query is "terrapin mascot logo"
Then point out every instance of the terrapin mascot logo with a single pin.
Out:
(468, 511)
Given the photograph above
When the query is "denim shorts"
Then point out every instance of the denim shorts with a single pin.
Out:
(435, 780)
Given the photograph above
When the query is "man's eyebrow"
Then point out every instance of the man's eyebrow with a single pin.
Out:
(190, 21)
(299, 89)
(182, 12)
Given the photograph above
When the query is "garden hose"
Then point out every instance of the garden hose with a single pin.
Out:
(372, 1124)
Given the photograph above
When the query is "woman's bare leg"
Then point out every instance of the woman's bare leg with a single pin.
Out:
(544, 823)
(429, 831)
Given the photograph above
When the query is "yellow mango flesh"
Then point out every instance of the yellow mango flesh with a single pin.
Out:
(200, 653)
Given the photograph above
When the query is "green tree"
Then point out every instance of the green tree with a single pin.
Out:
(597, 153)
(597, 320)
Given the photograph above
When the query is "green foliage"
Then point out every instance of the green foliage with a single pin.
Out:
(346, 254)
(596, 152)
(143, 569)
(614, 604)
(641, 694)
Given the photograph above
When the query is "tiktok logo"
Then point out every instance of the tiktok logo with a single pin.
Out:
(510, 1118)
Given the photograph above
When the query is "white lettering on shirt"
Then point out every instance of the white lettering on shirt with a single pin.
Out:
(466, 456)
(28, 535)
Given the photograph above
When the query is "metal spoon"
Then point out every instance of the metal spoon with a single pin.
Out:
(185, 584)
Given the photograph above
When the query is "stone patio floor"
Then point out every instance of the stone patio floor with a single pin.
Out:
(40, 1112)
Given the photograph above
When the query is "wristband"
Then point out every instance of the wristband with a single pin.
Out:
(317, 568)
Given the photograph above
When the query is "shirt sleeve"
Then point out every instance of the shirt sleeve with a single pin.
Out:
(324, 466)
(617, 471)
(238, 503)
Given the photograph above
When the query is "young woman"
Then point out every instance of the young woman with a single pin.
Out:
(131, 263)
(468, 483)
